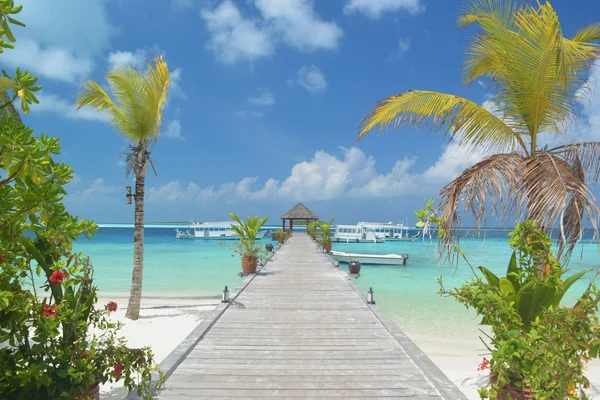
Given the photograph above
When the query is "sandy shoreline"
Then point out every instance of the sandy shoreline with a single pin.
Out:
(165, 321)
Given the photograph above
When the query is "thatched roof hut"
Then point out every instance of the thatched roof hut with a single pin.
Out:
(298, 213)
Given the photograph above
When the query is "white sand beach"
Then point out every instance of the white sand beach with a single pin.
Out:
(165, 322)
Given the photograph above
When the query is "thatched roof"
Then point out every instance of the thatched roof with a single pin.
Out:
(299, 211)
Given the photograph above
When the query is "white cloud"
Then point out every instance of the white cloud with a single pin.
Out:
(263, 98)
(75, 179)
(404, 44)
(374, 9)
(136, 59)
(182, 5)
(50, 62)
(249, 114)
(176, 88)
(311, 78)
(98, 192)
(298, 25)
(57, 42)
(173, 130)
(588, 126)
(295, 23)
(56, 104)
(327, 177)
(234, 38)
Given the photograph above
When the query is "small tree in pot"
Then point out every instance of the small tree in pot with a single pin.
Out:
(247, 247)
(281, 236)
(311, 229)
(324, 235)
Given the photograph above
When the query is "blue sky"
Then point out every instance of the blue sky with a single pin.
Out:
(265, 101)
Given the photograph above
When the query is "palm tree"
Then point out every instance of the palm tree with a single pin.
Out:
(538, 78)
(135, 110)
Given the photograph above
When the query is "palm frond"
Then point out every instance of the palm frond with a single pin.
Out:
(587, 34)
(571, 224)
(489, 14)
(552, 186)
(155, 83)
(492, 182)
(484, 54)
(94, 95)
(137, 99)
(472, 123)
(587, 154)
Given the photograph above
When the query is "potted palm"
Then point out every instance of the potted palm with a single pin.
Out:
(311, 229)
(281, 236)
(324, 235)
(247, 247)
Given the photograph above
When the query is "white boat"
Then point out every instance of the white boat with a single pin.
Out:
(377, 259)
(390, 232)
(211, 231)
(355, 234)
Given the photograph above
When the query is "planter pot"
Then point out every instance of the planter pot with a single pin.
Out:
(327, 247)
(92, 392)
(354, 267)
(509, 392)
(514, 393)
(249, 265)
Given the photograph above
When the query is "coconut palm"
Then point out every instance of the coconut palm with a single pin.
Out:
(135, 110)
(537, 78)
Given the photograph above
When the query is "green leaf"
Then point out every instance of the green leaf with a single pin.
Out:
(490, 277)
(25, 107)
(512, 272)
(14, 21)
(7, 158)
(508, 289)
(567, 283)
(7, 31)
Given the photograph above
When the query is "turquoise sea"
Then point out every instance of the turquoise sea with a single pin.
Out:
(408, 294)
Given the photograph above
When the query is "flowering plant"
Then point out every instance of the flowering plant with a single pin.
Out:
(55, 342)
(537, 345)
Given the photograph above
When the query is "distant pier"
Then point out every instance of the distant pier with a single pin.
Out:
(298, 329)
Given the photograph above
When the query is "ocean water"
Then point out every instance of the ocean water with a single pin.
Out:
(408, 294)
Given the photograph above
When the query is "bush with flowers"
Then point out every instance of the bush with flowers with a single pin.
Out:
(539, 346)
(55, 341)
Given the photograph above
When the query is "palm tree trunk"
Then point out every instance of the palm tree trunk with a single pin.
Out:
(135, 295)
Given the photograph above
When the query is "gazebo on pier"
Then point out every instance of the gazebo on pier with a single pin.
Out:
(298, 213)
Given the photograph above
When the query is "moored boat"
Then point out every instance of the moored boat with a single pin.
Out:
(211, 231)
(355, 234)
(376, 259)
(390, 232)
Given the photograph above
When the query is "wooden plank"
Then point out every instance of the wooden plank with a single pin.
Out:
(299, 330)
(412, 392)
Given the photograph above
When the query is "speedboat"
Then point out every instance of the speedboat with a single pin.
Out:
(377, 259)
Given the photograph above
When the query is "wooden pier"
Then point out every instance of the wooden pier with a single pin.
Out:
(300, 329)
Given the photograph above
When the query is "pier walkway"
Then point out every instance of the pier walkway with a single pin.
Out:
(300, 329)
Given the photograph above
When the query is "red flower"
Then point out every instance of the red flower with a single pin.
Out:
(483, 365)
(118, 370)
(57, 278)
(83, 355)
(49, 311)
(2, 258)
(111, 306)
